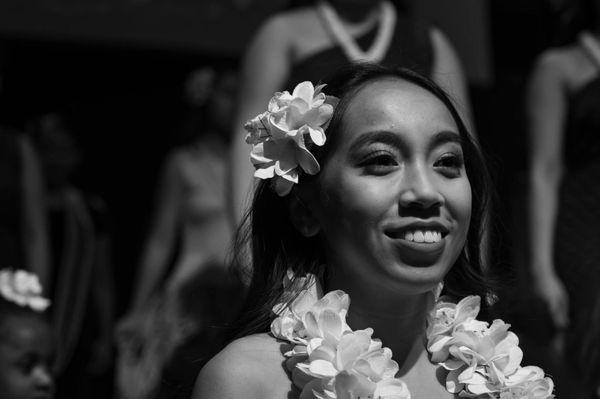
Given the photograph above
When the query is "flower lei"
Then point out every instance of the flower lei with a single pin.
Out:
(330, 360)
(23, 289)
(280, 135)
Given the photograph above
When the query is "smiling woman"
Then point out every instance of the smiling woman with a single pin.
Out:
(386, 207)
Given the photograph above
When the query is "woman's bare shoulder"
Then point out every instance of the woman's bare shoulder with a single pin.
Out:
(556, 56)
(552, 68)
(564, 60)
(249, 367)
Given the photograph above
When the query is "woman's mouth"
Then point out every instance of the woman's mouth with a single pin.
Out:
(418, 245)
(426, 236)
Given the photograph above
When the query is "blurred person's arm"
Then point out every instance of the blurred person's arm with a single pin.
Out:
(35, 232)
(546, 107)
(265, 68)
(448, 73)
(162, 235)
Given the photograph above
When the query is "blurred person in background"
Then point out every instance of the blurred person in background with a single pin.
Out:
(23, 231)
(563, 109)
(189, 236)
(26, 341)
(314, 39)
(80, 281)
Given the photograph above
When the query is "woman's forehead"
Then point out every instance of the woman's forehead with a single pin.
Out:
(396, 105)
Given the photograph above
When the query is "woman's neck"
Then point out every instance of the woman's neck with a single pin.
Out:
(398, 320)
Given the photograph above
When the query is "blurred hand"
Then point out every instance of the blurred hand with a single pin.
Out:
(552, 291)
(128, 328)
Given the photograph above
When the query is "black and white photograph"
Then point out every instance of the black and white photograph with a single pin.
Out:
(299, 199)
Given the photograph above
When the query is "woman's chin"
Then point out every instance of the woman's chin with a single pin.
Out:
(416, 279)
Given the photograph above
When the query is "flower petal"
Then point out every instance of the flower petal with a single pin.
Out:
(350, 347)
(323, 352)
(468, 307)
(452, 383)
(311, 324)
(393, 388)
(322, 368)
(330, 324)
(351, 385)
(308, 389)
(305, 91)
(317, 135)
(324, 115)
(257, 155)
(265, 172)
(307, 162)
(284, 151)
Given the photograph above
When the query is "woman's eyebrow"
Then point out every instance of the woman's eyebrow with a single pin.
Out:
(378, 136)
(445, 136)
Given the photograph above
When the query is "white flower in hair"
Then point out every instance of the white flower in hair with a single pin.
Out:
(22, 288)
(279, 136)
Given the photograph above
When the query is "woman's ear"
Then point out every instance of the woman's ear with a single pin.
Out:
(302, 217)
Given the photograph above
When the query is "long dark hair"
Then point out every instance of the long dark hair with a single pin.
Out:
(277, 246)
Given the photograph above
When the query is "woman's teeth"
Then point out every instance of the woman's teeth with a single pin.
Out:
(423, 236)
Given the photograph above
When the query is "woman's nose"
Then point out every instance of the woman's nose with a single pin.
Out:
(418, 189)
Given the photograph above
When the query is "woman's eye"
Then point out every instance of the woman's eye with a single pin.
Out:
(450, 164)
(379, 163)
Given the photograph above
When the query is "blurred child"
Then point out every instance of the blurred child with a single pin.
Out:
(26, 347)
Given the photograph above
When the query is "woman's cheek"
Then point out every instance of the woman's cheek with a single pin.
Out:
(459, 202)
(354, 196)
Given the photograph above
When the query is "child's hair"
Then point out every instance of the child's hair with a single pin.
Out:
(277, 246)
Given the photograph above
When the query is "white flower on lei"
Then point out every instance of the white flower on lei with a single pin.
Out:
(329, 360)
(536, 387)
(278, 135)
(22, 288)
(483, 360)
(351, 366)
(482, 357)
(526, 383)
(289, 324)
(443, 320)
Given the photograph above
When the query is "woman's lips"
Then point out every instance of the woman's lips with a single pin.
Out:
(418, 247)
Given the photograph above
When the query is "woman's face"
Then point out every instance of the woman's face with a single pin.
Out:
(25, 359)
(394, 200)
